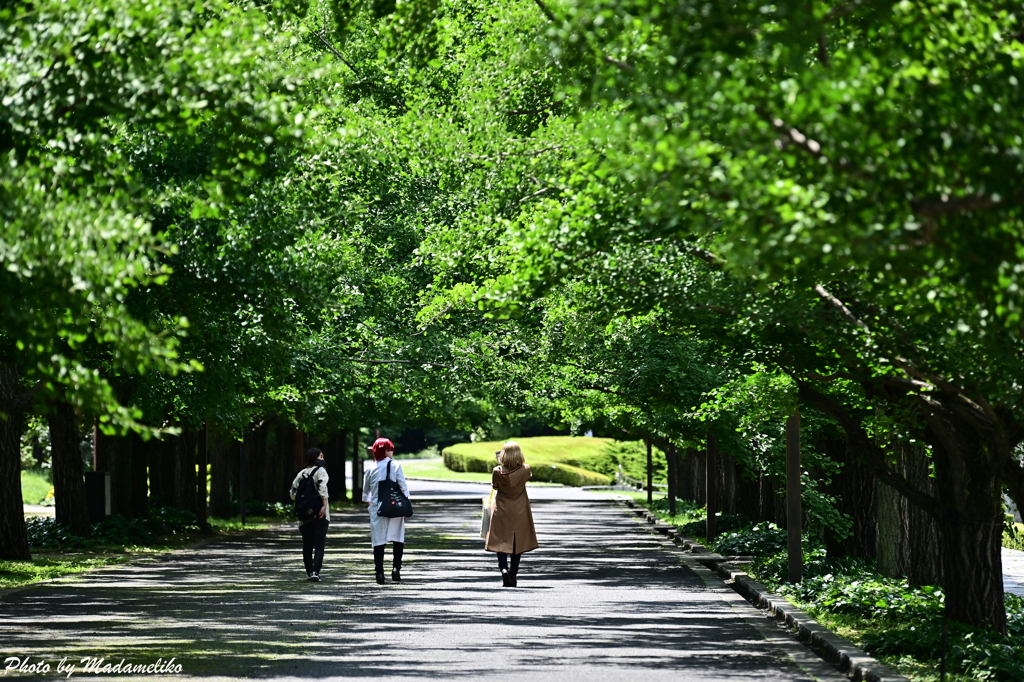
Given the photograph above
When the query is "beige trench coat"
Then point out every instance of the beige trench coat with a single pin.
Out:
(511, 518)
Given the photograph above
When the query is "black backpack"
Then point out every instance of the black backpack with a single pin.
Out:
(308, 502)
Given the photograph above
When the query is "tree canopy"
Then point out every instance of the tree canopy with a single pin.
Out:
(667, 222)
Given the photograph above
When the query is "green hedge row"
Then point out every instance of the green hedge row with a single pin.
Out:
(565, 474)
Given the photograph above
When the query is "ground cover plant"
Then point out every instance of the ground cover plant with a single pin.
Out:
(44, 566)
(58, 552)
(898, 623)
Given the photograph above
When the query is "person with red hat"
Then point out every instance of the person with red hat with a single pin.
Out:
(383, 529)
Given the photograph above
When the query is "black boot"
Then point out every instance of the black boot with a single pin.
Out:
(398, 548)
(380, 577)
(506, 579)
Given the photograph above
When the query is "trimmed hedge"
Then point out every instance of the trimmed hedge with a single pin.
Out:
(479, 457)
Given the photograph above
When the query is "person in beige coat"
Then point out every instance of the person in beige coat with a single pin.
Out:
(511, 530)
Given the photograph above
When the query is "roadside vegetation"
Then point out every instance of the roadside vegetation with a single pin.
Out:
(679, 228)
(578, 461)
(59, 553)
(900, 624)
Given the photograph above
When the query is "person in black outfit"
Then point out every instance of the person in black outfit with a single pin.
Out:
(314, 531)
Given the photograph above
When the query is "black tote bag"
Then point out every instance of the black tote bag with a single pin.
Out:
(391, 502)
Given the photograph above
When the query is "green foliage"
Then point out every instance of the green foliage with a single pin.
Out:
(632, 457)
(89, 89)
(762, 540)
(35, 484)
(163, 525)
(1013, 535)
(974, 654)
(724, 523)
(17, 573)
(687, 512)
(902, 624)
(553, 459)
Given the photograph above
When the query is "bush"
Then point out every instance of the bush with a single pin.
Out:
(764, 539)
(554, 459)
(631, 456)
(724, 523)
(162, 524)
(979, 655)
(903, 622)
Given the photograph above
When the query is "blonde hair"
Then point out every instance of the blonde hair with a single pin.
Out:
(511, 456)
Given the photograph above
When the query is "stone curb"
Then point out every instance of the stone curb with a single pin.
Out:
(845, 656)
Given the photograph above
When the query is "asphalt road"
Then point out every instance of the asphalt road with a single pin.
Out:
(602, 599)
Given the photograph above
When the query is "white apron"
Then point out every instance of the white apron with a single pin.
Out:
(383, 529)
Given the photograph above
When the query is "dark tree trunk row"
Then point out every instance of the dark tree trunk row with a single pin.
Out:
(855, 490)
(971, 452)
(357, 468)
(223, 472)
(14, 401)
(68, 475)
(185, 471)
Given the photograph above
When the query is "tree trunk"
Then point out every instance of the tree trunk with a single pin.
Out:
(726, 484)
(116, 454)
(650, 471)
(68, 477)
(203, 457)
(891, 549)
(13, 535)
(969, 491)
(161, 462)
(673, 490)
(185, 472)
(855, 492)
(223, 458)
(711, 485)
(138, 501)
(334, 463)
(971, 451)
(924, 565)
(686, 477)
(357, 469)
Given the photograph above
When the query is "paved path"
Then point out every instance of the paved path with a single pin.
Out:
(603, 599)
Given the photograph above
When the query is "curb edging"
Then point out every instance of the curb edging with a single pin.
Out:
(839, 652)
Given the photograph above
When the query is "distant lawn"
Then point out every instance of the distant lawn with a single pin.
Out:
(570, 460)
(435, 468)
(35, 483)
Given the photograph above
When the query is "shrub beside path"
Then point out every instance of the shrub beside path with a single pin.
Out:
(604, 599)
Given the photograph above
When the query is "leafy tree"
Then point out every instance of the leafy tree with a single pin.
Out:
(837, 189)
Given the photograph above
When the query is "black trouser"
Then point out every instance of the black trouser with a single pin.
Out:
(503, 560)
(314, 537)
(397, 549)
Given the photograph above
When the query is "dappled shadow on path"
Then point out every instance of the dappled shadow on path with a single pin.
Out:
(601, 598)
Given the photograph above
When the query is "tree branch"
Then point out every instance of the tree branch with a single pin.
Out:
(602, 389)
(874, 454)
(547, 12)
(836, 303)
(619, 64)
(945, 205)
(376, 361)
(333, 50)
(823, 49)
